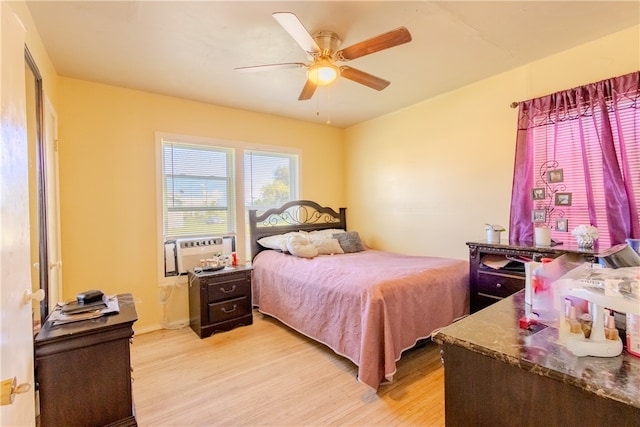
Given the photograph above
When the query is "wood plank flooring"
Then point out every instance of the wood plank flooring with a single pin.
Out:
(269, 375)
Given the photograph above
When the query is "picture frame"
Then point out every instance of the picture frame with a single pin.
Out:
(538, 193)
(563, 199)
(562, 224)
(555, 175)
(538, 216)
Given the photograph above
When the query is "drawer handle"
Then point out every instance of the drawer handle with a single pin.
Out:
(498, 285)
(224, 291)
(231, 310)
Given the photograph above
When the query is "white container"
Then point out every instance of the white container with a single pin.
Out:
(528, 284)
(633, 334)
(542, 236)
(493, 236)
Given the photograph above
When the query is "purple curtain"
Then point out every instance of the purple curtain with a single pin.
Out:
(598, 103)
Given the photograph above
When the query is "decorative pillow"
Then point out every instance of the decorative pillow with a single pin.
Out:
(278, 241)
(327, 246)
(350, 242)
(300, 246)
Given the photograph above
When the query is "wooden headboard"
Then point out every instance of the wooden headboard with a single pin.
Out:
(298, 215)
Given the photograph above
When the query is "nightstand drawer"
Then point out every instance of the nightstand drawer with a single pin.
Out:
(498, 284)
(229, 309)
(220, 301)
(231, 286)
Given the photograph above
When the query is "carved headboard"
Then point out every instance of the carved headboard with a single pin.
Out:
(298, 215)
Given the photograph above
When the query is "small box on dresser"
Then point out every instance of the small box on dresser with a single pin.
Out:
(220, 300)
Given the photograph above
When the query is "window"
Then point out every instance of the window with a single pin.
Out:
(206, 187)
(583, 147)
(267, 179)
(575, 147)
(198, 190)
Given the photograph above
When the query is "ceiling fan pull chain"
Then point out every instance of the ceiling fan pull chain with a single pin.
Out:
(328, 106)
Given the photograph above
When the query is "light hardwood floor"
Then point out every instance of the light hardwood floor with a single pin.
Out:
(267, 374)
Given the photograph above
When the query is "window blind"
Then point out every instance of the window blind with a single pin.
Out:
(197, 190)
(270, 179)
(559, 143)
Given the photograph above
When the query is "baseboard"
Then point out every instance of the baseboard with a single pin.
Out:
(179, 324)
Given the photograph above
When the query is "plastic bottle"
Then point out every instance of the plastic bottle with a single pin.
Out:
(542, 303)
(633, 334)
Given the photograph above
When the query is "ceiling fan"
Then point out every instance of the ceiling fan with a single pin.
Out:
(321, 49)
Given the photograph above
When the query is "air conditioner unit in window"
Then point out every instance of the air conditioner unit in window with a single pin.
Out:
(190, 251)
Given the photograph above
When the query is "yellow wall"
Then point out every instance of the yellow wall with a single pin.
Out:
(425, 180)
(422, 180)
(39, 53)
(108, 181)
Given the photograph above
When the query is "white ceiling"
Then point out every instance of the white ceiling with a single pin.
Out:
(189, 49)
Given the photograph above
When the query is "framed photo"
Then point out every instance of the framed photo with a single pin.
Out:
(562, 224)
(555, 175)
(538, 193)
(539, 216)
(563, 199)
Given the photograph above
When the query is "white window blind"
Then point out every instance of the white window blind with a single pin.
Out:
(270, 179)
(200, 186)
(198, 190)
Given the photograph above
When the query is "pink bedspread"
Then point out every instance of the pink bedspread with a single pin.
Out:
(368, 306)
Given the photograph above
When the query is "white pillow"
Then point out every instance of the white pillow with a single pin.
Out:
(277, 241)
(327, 246)
(300, 246)
(324, 234)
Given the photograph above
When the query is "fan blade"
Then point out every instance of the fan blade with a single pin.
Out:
(269, 67)
(307, 91)
(294, 27)
(383, 41)
(363, 78)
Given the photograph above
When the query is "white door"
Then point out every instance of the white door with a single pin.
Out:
(53, 203)
(16, 336)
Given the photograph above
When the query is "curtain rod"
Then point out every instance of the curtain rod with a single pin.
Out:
(514, 104)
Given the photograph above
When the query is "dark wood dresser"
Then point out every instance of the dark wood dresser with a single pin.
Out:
(497, 374)
(83, 370)
(488, 285)
(220, 300)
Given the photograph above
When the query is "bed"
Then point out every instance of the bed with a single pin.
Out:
(366, 305)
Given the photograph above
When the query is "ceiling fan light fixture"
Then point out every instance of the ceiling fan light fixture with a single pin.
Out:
(323, 73)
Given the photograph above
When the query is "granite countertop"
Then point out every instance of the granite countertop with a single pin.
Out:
(495, 332)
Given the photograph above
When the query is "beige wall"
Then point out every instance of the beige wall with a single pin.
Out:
(424, 180)
(108, 181)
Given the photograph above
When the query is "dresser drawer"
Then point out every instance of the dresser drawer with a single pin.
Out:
(227, 287)
(229, 309)
(498, 284)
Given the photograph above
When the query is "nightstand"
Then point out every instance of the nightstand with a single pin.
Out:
(219, 300)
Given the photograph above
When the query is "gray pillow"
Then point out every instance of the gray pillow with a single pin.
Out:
(349, 242)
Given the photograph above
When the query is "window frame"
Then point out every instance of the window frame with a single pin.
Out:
(238, 149)
(228, 182)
